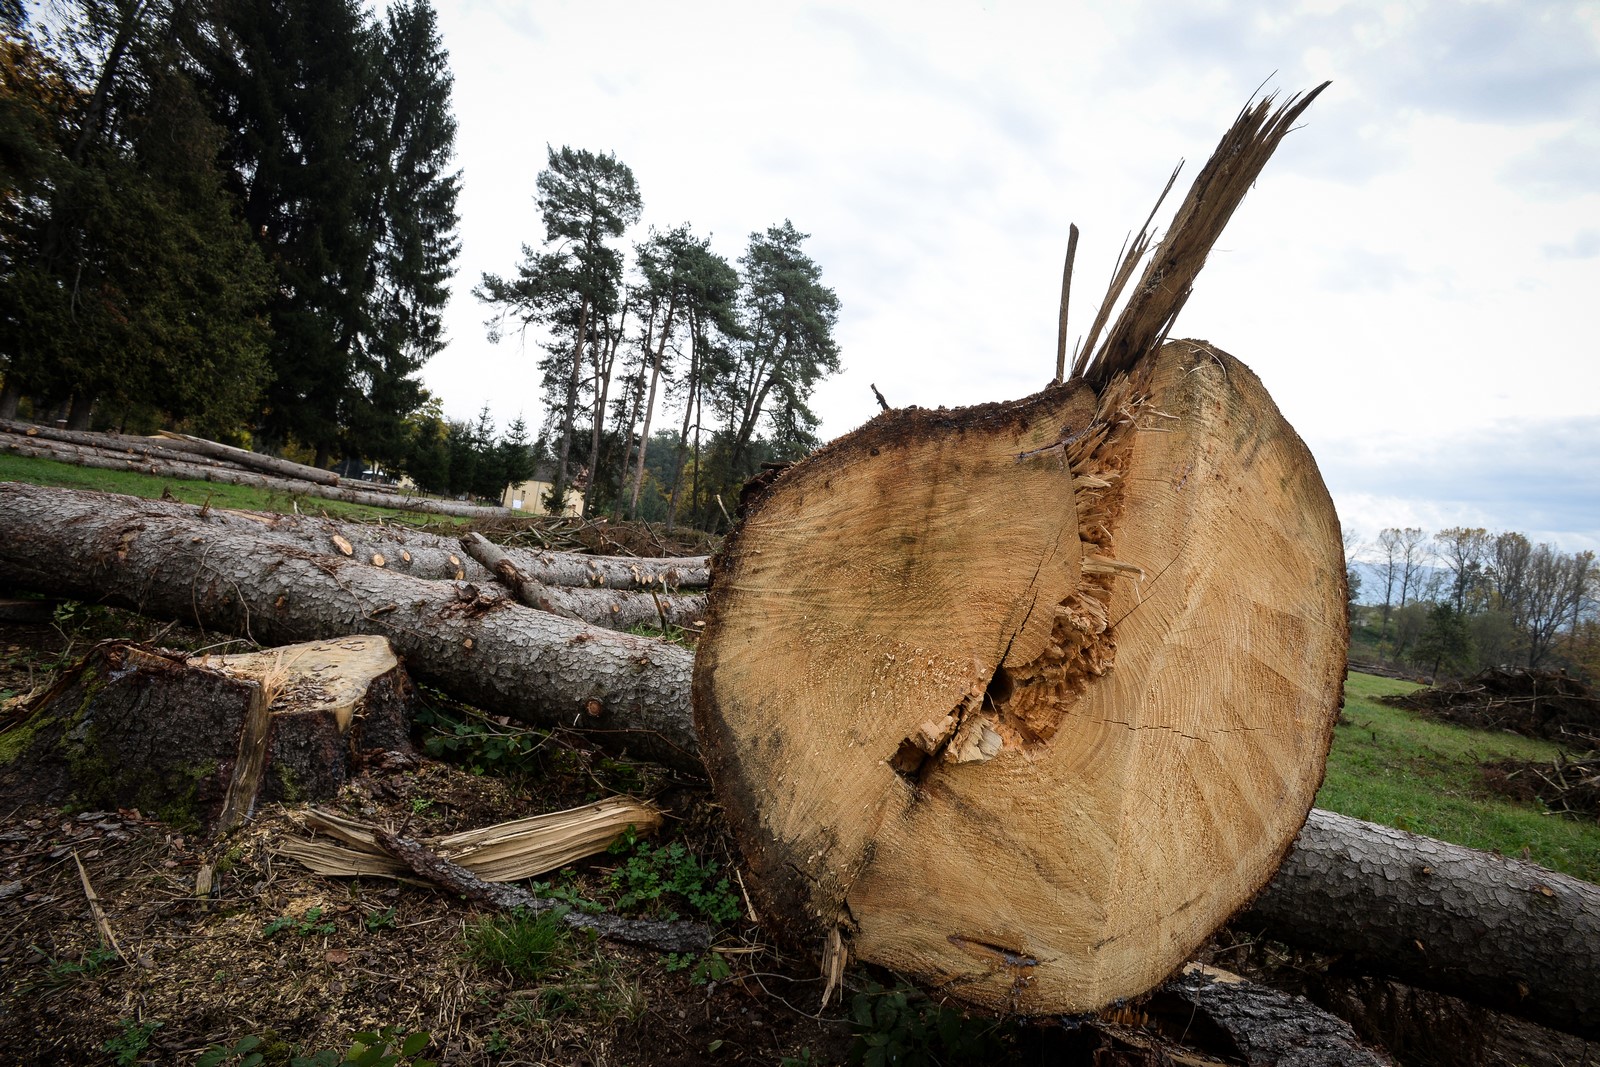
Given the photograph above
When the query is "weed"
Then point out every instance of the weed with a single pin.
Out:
(131, 1043)
(652, 873)
(703, 970)
(63, 972)
(527, 947)
(419, 805)
(904, 1026)
(380, 920)
(241, 1054)
(805, 1059)
(388, 1047)
(308, 925)
(464, 735)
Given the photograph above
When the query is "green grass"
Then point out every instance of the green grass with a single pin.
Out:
(1393, 767)
(217, 494)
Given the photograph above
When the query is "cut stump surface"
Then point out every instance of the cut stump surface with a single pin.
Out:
(1028, 698)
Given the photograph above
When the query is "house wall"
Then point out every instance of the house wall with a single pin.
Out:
(529, 497)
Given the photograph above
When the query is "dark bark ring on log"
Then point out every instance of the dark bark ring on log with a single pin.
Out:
(1030, 697)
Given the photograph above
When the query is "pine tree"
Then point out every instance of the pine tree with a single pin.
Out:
(586, 200)
(415, 223)
(294, 85)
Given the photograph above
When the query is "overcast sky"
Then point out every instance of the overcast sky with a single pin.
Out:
(1415, 276)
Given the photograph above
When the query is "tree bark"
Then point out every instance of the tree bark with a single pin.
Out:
(113, 445)
(474, 642)
(1501, 932)
(1260, 1026)
(197, 740)
(254, 460)
(616, 610)
(428, 555)
(26, 446)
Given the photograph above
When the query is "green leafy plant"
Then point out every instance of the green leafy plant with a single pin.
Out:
(61, 972)
(128, 1046)
(903, 1026)
(527, 947)
(653, 873)
(308, 925)
(240, 1054)
(380, 920)
(464, 735)
(703, 970)
(387, 1047)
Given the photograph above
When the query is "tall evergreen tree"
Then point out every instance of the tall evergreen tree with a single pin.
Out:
(127, 277)
(587, 200)
(415, 223)
(293, 83)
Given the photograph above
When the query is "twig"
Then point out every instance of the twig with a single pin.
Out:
(96, 911)
(661, 936)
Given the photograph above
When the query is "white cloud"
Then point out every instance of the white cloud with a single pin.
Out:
(1419, 258)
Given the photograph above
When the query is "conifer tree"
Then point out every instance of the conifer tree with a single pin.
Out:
(587, 200)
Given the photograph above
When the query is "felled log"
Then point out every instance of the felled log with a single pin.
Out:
(1257, 1025)
(623, 610)
(474, 642)
(103, 460)
(430, 555)
(244, 457)
(1498, 931)
(70, 443)
(1024, 700)
(198, 741)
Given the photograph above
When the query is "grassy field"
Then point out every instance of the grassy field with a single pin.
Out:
(1393, 767)
(220, 495)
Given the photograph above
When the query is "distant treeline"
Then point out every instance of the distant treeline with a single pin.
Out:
(1463, 599)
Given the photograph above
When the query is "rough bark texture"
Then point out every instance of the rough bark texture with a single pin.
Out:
(1262, 1027)
(1504, 933)
(1029, 698)
(614, 609)
(428, 555)
(474, 642)
(136, 727)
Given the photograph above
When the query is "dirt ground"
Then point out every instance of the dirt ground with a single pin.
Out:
(302, 963)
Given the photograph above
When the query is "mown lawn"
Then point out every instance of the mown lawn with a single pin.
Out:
(220, 495)
(1393, 767)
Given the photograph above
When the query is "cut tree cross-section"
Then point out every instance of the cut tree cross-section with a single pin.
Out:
(1024, 700)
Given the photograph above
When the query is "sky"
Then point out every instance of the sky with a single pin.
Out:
(1414, 276)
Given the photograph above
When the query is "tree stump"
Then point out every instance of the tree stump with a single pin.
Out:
(197, 740)
(1024, 700)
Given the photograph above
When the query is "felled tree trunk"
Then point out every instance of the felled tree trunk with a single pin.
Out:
(1504, 933)
(429, 555)
(546, 670)
(472, 641)
(197, 741)
(283, 468)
